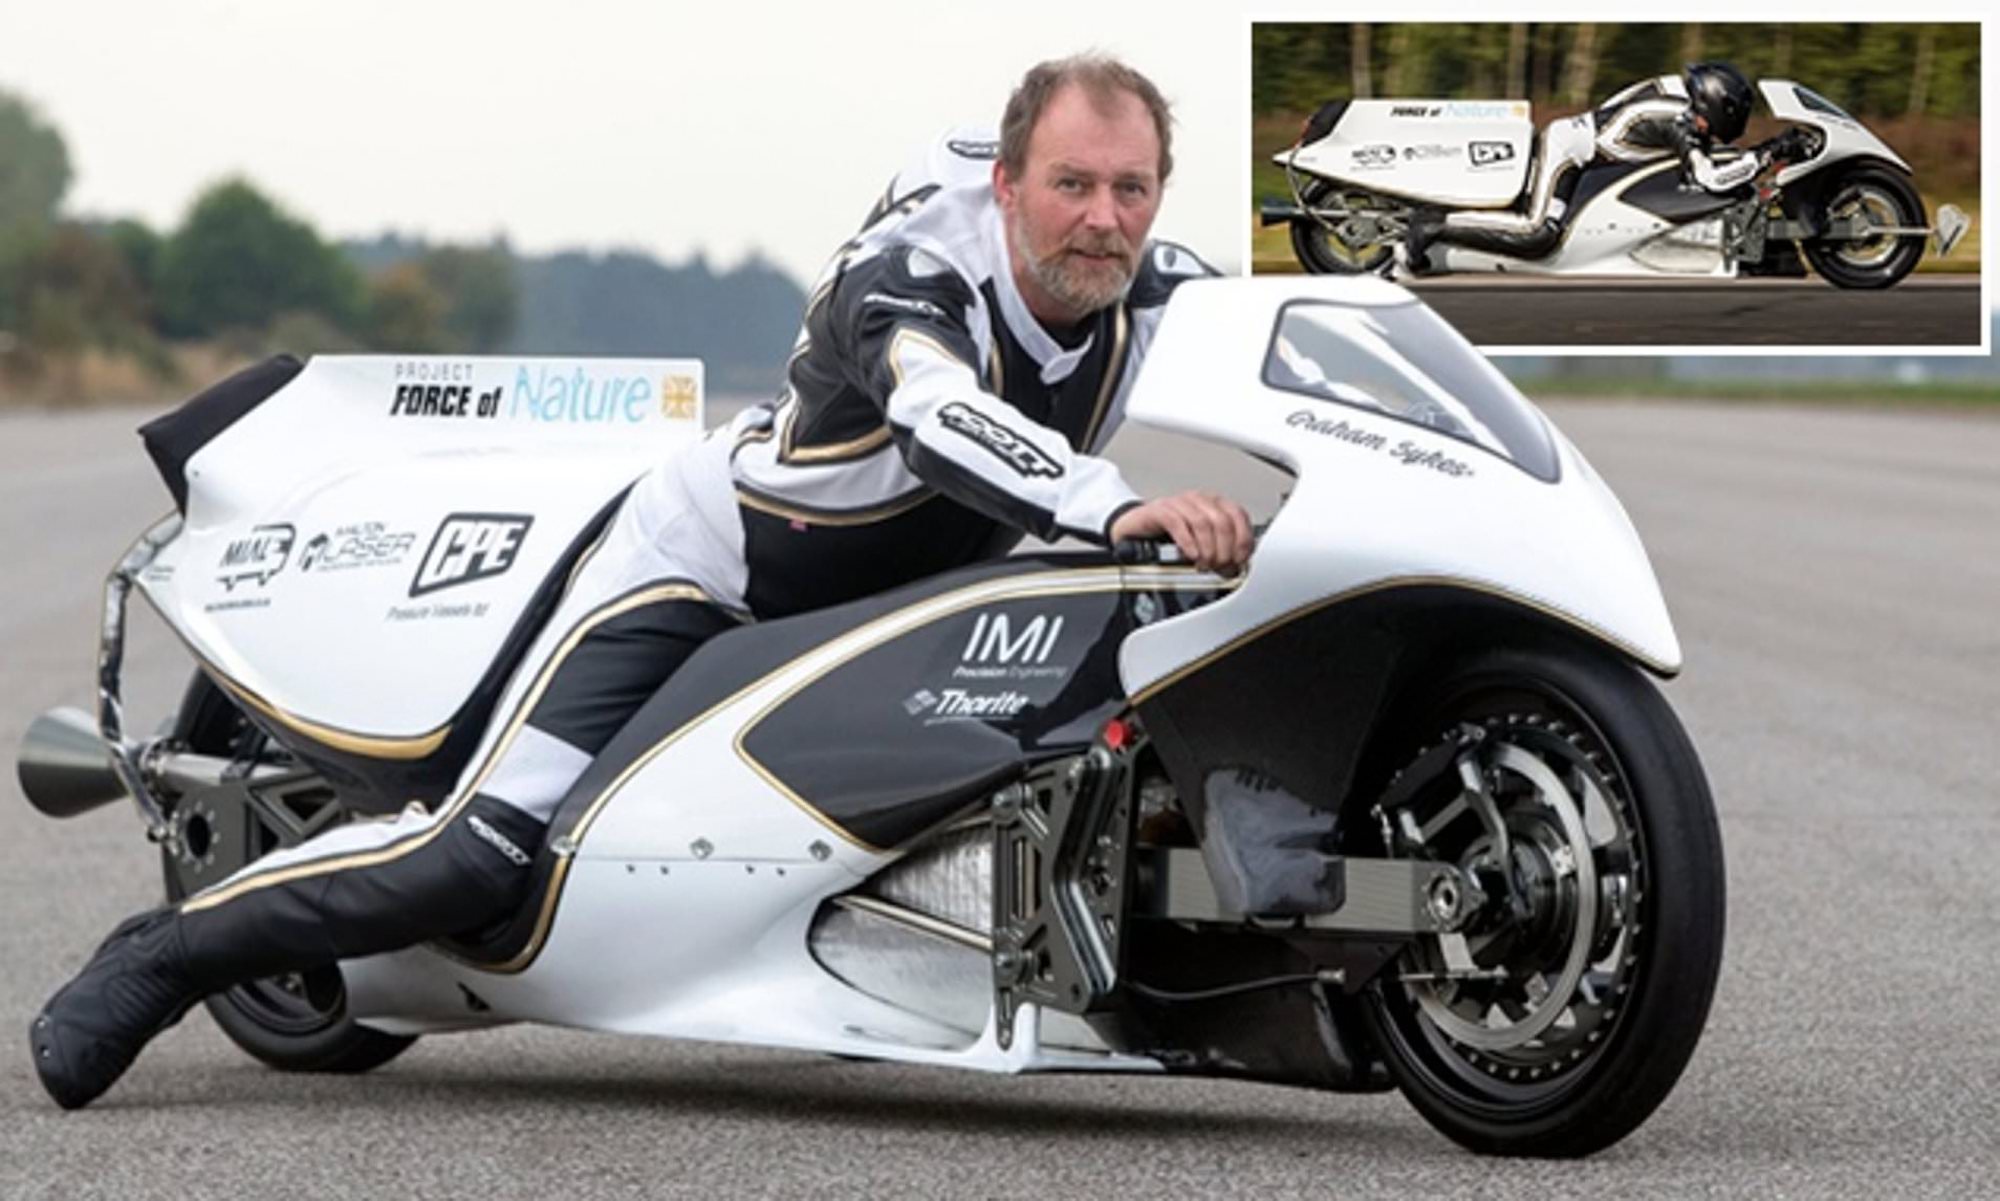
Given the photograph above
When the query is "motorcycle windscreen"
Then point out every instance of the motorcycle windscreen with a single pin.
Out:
(1405, 362)
(360, 546)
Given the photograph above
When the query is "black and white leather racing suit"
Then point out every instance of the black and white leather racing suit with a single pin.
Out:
(1647, 121)
(927, 421)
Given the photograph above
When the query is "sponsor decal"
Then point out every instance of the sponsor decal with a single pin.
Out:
(999, 650)
(365, 544)
(908, 304)
(1408, 453)
(433, 371)
(1021, 456)
(1474, 110)
(677, 397)
(1370, 157)
(443, 400)
(540, 394)
(437, 612)
(256, 558)
(498, 841)
(439, 388)
(469, 547)
(1430, 150)
(959, 704)
(972, 148)
(1415, 110)
(1488, 154)
(579, 398)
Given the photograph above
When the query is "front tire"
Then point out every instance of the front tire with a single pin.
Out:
(1322, 251)
(1885, 197)
(296, 1022)
(1570, 1009)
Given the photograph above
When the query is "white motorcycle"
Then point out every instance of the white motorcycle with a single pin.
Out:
(1397, 807)
(1842, 197)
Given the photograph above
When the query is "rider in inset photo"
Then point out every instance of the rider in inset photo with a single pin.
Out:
(1689, 115)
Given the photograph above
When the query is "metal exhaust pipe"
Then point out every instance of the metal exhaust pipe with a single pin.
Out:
(1274, 212)
(65, 768)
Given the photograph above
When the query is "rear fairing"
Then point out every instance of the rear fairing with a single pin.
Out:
(359, 547)
(1457, 153)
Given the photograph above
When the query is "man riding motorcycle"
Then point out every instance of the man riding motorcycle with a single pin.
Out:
(1688, 116)
(961, 361)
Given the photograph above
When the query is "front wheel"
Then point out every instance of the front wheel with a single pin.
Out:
(1334, 249)
(1883, 198)
(296, 1022)
(1567, 1001)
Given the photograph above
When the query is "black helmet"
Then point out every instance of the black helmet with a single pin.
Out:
(1719, 93)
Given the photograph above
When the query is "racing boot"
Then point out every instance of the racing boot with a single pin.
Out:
(1424, 225)
(137, 985)
(338, 897)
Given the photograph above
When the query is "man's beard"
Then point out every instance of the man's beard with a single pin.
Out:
(1080, 285)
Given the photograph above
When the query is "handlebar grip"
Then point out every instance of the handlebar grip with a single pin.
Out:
(1132, 552)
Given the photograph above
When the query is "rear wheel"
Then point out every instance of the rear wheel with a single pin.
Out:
(1340, 247)
(298, 1021)
(1882, 198)
(1564, 1006)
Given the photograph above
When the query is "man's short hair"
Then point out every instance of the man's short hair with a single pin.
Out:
(1102, 78)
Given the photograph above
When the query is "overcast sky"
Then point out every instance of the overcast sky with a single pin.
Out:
(724, 126)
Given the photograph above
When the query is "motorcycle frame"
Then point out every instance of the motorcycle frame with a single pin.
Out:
(697, 827)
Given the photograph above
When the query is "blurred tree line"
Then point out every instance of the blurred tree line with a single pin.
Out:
(241, 273)
(238, 268)
(740, 322)
(1873, 70)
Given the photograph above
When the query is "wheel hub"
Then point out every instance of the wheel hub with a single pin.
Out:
(1536, 945)
(1876, 208)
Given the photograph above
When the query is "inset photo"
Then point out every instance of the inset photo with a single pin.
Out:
(1662, 185)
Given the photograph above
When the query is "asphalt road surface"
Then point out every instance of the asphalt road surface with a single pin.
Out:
(1834, 580)
(1920, 311)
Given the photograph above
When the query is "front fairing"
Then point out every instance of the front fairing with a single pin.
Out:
(1380, 501)
(1843, 136)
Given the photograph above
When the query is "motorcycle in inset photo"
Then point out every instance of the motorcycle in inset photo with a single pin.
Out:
(1842, 198)
(1400, 807)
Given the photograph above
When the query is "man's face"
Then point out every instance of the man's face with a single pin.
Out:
(1078, 215)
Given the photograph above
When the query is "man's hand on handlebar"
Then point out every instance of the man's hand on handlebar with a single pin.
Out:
(1212, 531)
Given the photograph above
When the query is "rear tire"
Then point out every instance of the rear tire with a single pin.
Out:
(1884, 196)
(1324, 253)
(296, 1022)
(1625, 900)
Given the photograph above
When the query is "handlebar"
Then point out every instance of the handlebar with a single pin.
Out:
(1138, 552)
